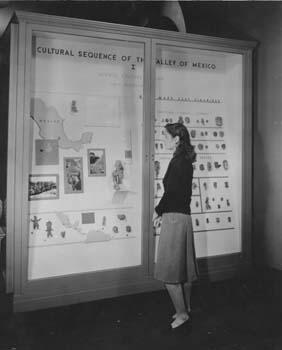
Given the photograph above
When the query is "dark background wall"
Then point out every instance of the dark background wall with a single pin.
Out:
(249, 20)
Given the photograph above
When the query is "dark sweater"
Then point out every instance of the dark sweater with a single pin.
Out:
(177, 187)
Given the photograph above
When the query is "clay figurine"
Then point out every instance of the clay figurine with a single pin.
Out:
(49, 229)
(35, 222)
(118, 174)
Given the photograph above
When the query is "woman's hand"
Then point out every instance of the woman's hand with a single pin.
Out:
(157, 220)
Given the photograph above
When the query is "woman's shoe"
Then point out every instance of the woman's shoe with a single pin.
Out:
(179, 321)
(184, 329)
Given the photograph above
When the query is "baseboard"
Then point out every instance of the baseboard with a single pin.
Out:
(212, 269)
(28, 304)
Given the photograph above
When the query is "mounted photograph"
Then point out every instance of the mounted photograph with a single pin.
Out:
(96, 159)
(73, 175)
(43, 187)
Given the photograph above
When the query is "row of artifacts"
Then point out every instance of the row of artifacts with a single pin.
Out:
(213, 221)
(208, 195)
(191, 121)
(200, 146)
(79, 227)
(207, 204)
(204, 186)
(206, 166)
(46, 186)
(210, 222)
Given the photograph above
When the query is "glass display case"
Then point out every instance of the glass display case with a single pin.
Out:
(87, 105)
(202, 89)
(85, 166)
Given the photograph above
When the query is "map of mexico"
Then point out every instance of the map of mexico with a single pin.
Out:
(51, 126)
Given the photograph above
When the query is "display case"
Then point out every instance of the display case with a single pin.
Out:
(88, 103)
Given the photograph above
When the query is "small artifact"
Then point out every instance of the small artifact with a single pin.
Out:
(118, 174)
(73, 107)
(49, 229)
(208, 207)
(193, 133)
(157, 168)
(121, 217)
(115, 229)
(225, 164)
(180, 120)
(218, 121)
(104, 221)
(35, 222)
(159, 187)
(128, 228)
(209, 166)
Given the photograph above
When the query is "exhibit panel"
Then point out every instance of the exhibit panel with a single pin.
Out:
(88, 103)
(85, 168)
(203, 90)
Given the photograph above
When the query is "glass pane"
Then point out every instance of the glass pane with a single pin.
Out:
(85, 183)
(203, 90)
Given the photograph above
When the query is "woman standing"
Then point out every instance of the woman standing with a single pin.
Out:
(176, 262)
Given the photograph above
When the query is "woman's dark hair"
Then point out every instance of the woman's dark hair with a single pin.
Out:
(184, 146)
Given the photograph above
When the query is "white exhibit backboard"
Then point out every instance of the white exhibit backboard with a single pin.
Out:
(85, 183)
(203, 90)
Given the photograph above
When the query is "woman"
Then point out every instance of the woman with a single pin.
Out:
(176, 263)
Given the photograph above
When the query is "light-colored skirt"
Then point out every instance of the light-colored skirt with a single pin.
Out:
(176, 258)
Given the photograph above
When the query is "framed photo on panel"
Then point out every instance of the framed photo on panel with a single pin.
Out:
(73, 175)
(43, 187)
(96, 159)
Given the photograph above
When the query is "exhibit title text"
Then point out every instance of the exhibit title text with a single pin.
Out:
(97, 55)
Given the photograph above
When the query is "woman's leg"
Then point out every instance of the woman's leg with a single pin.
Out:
(187, 287)
(176, 293)
(187, 297)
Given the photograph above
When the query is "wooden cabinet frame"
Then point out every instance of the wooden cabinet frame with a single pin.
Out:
(49, 292)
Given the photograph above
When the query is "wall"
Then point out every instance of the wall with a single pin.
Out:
(259, 21)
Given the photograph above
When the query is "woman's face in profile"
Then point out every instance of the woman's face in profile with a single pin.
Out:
(169, 141)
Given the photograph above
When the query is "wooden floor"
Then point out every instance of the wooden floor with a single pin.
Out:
(229, 315)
